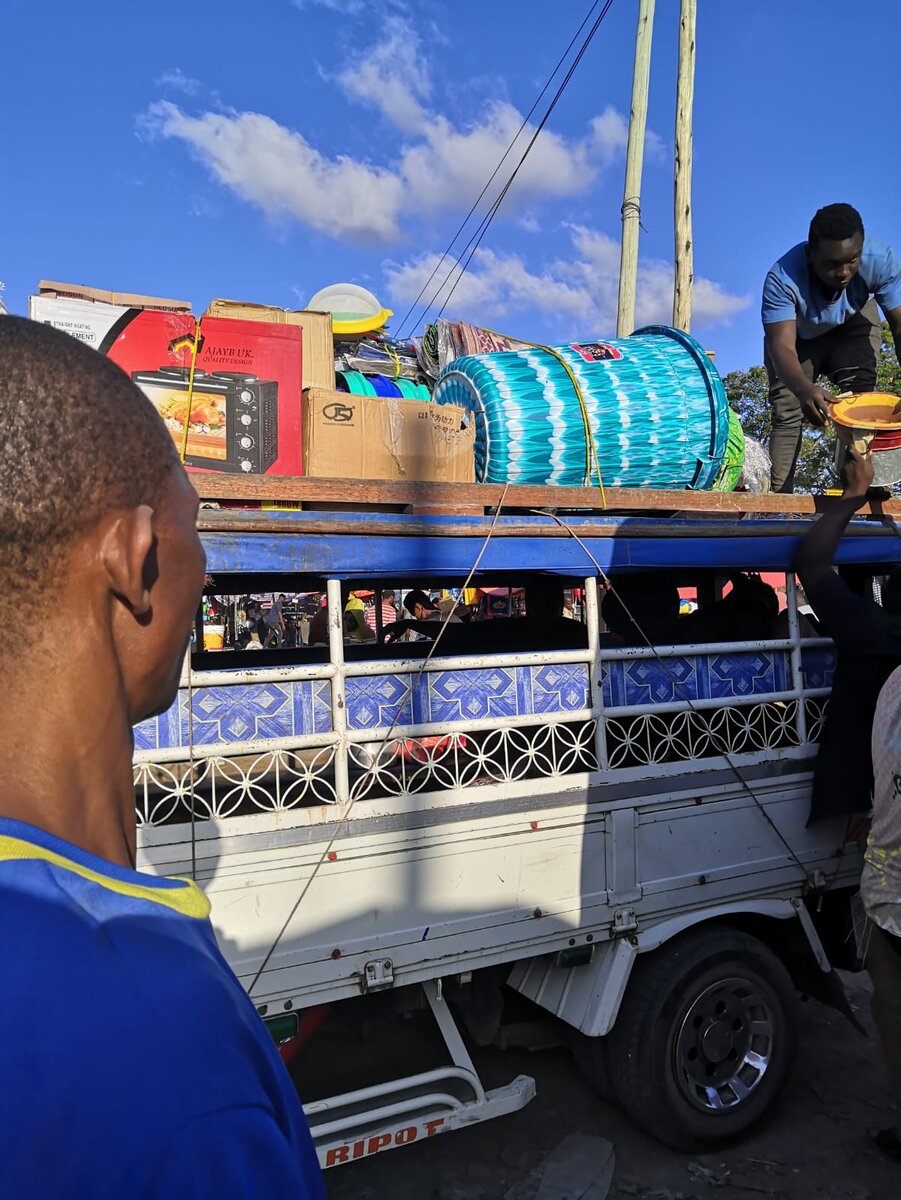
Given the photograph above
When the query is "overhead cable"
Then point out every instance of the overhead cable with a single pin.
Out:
(494, 173)
(475, 241)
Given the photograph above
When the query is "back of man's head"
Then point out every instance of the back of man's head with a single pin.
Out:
(80, 441)
(544, 599)
(834, 223)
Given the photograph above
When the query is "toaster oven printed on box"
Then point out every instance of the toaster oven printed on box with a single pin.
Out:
(232, 417)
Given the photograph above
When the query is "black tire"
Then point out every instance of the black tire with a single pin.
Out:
(704, 1039)
(590, 1054)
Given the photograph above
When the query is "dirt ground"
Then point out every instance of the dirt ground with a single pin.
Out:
(812, 1146)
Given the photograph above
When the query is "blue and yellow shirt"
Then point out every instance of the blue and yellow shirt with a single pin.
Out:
(132, 1063)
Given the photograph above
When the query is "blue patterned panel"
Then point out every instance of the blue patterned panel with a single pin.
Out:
(558, 688)
(163, 731)
(312, 706)
(649, 681)
(240, 712)
(753, 673)
(380, 701)
(818, 666)
(475, 695)
(147, 735)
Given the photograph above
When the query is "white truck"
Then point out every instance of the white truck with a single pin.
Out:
(616, 833)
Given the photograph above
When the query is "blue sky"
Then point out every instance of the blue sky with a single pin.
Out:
(261, 149)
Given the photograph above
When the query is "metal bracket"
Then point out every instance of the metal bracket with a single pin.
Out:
(377, 975)
(816, 880)
(624, 921)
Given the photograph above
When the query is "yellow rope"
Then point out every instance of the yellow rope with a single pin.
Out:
(591, 450)
(189, 399)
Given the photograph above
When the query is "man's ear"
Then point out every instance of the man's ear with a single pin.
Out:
(127, 549)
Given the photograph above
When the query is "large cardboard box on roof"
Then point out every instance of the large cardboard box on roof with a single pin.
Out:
(78, 291)
(376, 437)
(241, 403)
(318, 340)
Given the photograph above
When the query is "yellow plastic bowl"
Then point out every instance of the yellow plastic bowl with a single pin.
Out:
(869, 410)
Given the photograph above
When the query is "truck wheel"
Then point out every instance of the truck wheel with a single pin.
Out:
(704, 1039)
(590, 1054)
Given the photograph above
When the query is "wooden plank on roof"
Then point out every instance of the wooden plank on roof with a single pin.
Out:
(468, 497)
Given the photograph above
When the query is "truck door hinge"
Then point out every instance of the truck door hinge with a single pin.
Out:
(624, 921)
(376, 975)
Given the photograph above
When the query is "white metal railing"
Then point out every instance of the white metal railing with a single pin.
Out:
(342, 763)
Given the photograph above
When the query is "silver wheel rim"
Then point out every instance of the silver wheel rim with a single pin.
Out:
(724, 1045)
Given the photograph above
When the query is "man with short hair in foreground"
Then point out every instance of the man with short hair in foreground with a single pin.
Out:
(132, 1062)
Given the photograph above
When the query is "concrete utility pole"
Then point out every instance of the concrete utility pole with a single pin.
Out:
(685, 93)
(631, 210)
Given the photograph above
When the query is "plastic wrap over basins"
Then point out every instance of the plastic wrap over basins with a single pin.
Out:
(653, 402)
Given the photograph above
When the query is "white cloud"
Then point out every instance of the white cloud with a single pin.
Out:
(597, 265)
(446, 167)
(443, 164)
(282, 173)
(175, 80)
(493, 286)
(279, 170)
(348, 8)
(392, 77)
(581, 293)
(610, 135)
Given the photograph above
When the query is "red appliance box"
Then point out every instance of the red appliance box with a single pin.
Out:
(244, 407)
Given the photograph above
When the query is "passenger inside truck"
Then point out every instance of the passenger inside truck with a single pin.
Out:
(747, 613)
(542, 627)
(640, 609)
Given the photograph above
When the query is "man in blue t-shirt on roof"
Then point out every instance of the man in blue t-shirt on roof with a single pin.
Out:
(820, 318)
(133, 1066)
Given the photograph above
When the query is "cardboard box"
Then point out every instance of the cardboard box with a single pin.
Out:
(318, 339)
(243, 409)
(77, 291)
(373, 437)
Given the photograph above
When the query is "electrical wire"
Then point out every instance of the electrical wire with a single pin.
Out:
(497, 168)
(476, 239)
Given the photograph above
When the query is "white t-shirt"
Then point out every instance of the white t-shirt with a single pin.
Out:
(880, 882)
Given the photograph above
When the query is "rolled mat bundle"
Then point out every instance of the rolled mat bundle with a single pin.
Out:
(644, 411)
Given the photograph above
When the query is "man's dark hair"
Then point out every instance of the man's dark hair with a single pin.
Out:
(79, 440)
(418, 597)
(834, 223)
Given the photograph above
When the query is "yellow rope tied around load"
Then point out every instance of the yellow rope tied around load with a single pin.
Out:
(591, 449)
(189, 399)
